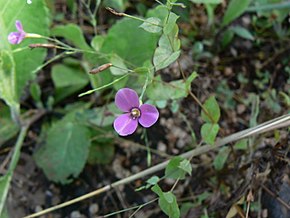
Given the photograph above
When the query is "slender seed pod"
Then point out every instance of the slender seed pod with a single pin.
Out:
(100, 68)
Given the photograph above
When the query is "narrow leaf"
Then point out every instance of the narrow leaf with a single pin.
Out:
(221, 158)
(234, 10)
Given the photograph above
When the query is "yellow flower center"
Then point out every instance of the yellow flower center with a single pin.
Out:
(135, 113)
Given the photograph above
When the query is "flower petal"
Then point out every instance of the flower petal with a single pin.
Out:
(18, 25)
(15, 37)
(126, 99)
(149, 115)
(125, 125)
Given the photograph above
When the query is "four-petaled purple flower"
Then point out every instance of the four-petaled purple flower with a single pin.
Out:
(17, 37)
(127, 101)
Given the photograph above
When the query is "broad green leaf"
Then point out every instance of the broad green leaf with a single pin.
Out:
(8, 128)
(152, 25)
(213, 111)
(134, 45)
(21, 67)
(173, 169)
(67, 80)
(65, 151)
(209, 132)
(221, 158)
(72, 33)
(235, 9)
(243, 32)
(207, 1)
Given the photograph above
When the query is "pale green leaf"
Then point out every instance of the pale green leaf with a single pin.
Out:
(213, 111)
(243, 32)
(4, 187)
(209, 132)
(221, 158)
(235, 9)
(170, 23)
(152, 25)
(242, 144)
(65, 151)
(97, 42)
(168, 205)
(120, 68)
(163, 57)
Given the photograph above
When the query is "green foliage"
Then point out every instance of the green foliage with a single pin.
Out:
(8, 128)
(167, 202)
(209, 132)
(72, 33)
(242, 144)
(65, 151)
(67, 80)
(213, 111)
(159, 90)
(207, 1)
(234, 10)
(221, 158)
(102, 151)
(243, 32)
(4, 187)
(177, 168)
(15, 68)
(152, 25)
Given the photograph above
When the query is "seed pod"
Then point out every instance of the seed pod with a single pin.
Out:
(39, 45)
(100, 68)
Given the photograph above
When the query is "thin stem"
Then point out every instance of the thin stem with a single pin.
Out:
(280, 122)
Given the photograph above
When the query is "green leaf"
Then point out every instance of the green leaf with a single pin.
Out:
(4, 187)
(8, 128)
(117, 61)
(8, 84)
(65, 151)
(67, 80)
(153, 180)
(97, 42)
(173, 169)
(15, 68)
(159, 90)
(185, 166)
(164, 57)
(234, 10)
(242, 144)
(72, 33)
(170, 24)
(221, 158)
(227, 37)
(134, 45)
(167, 202)
(152, 25)
(209, 132)
(213, 111)
(243, 32)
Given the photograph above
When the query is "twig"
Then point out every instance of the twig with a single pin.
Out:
(280, 122)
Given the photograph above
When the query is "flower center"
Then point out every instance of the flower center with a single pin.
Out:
(135, 113)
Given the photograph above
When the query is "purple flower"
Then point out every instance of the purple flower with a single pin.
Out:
(17, 37)
(127, 101)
